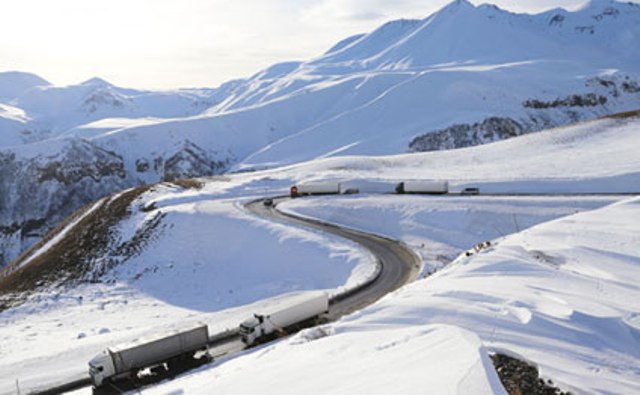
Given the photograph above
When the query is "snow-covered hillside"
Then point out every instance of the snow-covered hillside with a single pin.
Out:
(559, 295)
(55, 111)
(463, 76)
(13, 84)
(177, 254)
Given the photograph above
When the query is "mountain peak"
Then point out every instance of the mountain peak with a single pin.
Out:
(96, 81)
(458, 4)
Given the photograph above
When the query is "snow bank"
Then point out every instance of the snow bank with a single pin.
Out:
(560, 295)
(207, 255)
(423, 359)
(439, 228)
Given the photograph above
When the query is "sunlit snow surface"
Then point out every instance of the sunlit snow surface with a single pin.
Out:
(560, 294)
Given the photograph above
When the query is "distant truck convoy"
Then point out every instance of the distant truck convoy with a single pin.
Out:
(126, 360)
(357, 186)
(303, 310)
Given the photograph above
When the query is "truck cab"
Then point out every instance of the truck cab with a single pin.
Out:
(250, 329)
(100, 368)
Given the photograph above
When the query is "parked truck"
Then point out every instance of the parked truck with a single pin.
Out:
(125, 361)
(300, 311)
(423, 186)
(315, 188)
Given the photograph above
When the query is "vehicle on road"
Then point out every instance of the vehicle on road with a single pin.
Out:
(470, 191)
(125, 361)
(423, 187)
(301, 311)
(315, 188)
(268, 202)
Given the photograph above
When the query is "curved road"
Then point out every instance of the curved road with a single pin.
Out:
(398, 265)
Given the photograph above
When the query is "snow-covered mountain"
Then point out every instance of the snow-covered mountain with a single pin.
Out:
(560, 295)
(53, 111)
(15, 83)
(464, 75)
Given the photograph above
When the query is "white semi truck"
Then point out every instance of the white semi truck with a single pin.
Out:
(423, 186)
(300, 310)
(126, 360)
(315, 188)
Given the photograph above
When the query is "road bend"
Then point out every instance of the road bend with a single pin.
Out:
(396, 266)
(397, 263)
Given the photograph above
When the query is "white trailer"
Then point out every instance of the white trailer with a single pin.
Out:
(315, 188)
(367, 186)
(299, 310)
(126, 360)
(423, 186)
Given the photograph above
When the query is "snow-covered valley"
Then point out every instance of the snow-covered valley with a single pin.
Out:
(560, 295)
(465, 75)
(123, 212)
(547, 287)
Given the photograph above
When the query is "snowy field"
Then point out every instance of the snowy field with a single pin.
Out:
(560, 294)
(441, 228)
(209, 257)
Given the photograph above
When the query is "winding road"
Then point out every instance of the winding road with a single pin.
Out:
(397, 265)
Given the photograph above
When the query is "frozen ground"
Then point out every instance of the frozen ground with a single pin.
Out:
(209, 257)
(568, 285)
(441, 228)
(560, 294)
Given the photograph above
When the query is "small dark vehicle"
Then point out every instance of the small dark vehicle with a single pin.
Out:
(268, 202)
(470, 191)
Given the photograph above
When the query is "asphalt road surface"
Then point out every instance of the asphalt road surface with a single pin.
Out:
(398, 265)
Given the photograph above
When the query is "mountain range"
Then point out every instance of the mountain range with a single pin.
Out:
(465, 75)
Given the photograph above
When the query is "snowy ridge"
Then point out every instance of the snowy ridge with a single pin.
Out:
(444, 77)
(179, 256)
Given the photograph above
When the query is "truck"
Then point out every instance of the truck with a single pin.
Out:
(315, 188)
(125, 361)
(423, 186)
(298, 312)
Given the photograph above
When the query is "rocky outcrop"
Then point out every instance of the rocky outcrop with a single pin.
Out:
(538, 114)
(36, 193)
(466, 135)
(92, 244)
(188, 162)
(584, 100)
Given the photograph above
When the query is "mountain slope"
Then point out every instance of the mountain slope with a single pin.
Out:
(178, 252)
(463, 76)
(14, 83)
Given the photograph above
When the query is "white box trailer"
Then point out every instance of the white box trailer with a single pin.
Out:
(423, 186)
(126, 360)
(367, 186)
(315, 188)
(300, 309)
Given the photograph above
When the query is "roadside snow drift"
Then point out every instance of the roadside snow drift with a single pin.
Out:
(560, 295)
(204, 258)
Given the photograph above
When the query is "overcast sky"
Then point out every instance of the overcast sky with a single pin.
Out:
(183, 43)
